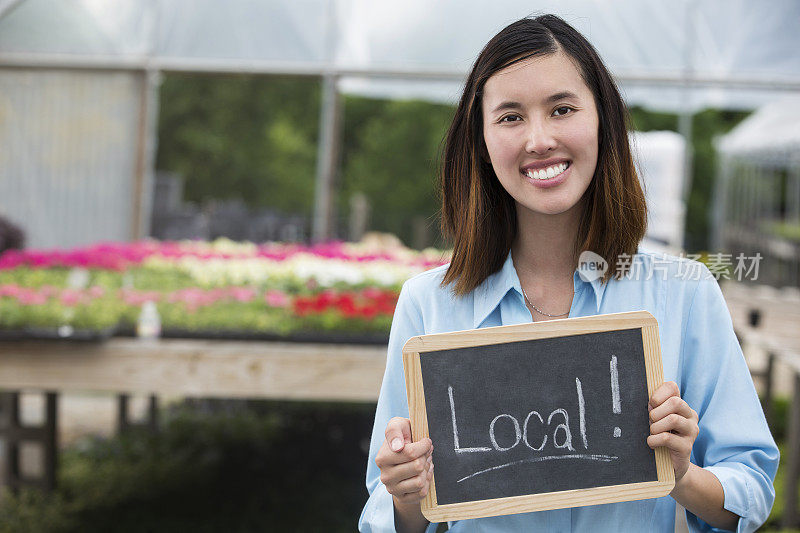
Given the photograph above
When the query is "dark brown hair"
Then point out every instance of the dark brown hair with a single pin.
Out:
(480, 216)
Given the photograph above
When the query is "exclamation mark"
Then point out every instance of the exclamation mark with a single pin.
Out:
(615, 405)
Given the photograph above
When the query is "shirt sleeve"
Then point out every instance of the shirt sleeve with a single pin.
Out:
(378, 513)
(735, 443)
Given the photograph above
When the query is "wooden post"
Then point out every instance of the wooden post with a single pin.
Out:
(9, 419)
(790, 517)
(327, 158)
(767, 402)
(46, 436)
(152, 413)
(124, 423)
(49, 441)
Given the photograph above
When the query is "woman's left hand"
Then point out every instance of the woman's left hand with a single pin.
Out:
(673, 424)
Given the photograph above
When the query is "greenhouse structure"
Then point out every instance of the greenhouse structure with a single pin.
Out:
(91, 305)
(79, 80)
(757, 204)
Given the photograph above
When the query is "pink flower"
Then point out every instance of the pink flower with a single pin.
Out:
(71, 297)
(276, 298)
(138, 298)
(372, 292)
(12, 290)
(96, 291)
(243, 294)
(31, 298)
(49, 291)
(194, 297)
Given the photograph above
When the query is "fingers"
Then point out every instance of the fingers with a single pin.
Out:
(673, 405)
(410, 469)
(677, 443)
(414, 489)
(406, 466)
(675, 423)
(398, 433)
(410, 452)
(409, 481)
(666, 390)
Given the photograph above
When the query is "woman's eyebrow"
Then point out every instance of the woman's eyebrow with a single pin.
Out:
(507, 105)
(563, 95)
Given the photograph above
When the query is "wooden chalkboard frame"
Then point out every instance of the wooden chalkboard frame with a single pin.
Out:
(523, 332)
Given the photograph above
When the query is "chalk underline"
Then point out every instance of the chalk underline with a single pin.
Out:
(589, 457)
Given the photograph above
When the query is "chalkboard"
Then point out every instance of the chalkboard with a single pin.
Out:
(538, 416)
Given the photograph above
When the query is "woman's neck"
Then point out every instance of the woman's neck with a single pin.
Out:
(544, 248)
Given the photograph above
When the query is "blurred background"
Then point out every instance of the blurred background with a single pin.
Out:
(207, 210)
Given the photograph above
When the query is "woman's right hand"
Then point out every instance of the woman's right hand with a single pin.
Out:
(406, 467)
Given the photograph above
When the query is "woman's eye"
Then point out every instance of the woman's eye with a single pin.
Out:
(509, 118)
(563, 110)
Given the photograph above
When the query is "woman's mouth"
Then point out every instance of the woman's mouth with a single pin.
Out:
(547, 173)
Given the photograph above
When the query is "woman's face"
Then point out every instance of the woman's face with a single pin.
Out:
(540, 125)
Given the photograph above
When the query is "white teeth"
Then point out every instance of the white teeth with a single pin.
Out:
(547, 173)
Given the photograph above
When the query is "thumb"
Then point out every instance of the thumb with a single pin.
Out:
(398, 433)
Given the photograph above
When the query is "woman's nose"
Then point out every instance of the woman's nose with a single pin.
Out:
(540, 138)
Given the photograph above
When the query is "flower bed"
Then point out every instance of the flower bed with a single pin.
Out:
(202, 288)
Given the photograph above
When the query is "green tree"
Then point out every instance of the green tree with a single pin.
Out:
(248, 137)
(392, 159)
(255, 138)
(706, 125)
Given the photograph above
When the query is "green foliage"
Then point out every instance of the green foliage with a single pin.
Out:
(707, 125)
(786, 230)
(278, 466)
(255, 138)
(646, 120)
(334, 321)
(97, 315)
(777, 422)
(393, 158)
(776, 515)
(252, 138)
(161, 278)
(293, 467)
(224, 314)
(57, 276)
(780, 409)
(250, 317)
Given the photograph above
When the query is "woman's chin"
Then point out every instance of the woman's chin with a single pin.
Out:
(554, 209)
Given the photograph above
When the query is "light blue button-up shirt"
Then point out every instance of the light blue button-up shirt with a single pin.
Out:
(700, 353)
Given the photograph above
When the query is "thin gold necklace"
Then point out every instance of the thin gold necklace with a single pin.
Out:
(539, 310)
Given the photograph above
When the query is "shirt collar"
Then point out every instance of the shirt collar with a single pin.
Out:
(598, 288)
(490, 293)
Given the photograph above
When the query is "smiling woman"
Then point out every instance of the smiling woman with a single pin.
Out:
(536, 98)
(537, 175)
(541, 139)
